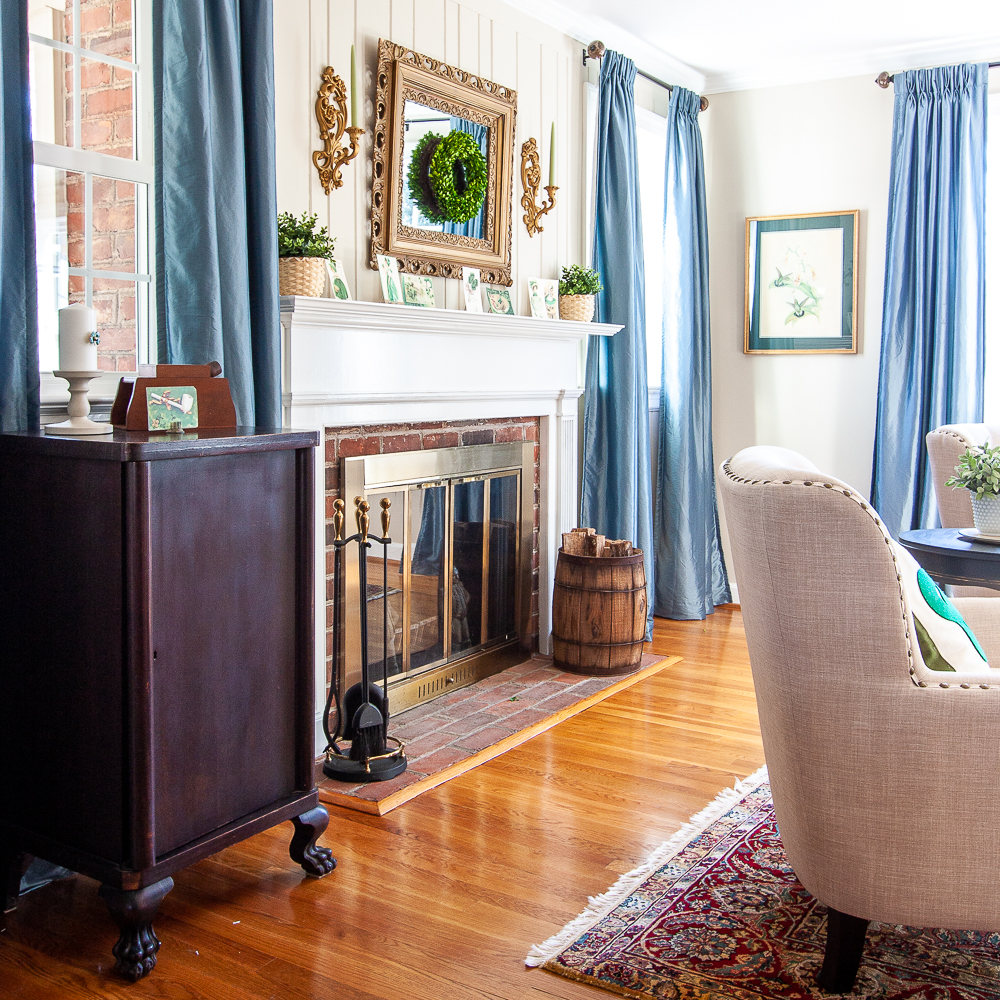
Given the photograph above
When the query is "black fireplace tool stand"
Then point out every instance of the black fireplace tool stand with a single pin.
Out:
(362, 716)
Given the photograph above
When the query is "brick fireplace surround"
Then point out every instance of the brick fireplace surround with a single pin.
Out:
(373, 378)
(385, 439)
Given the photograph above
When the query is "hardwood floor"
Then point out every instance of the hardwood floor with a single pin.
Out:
(443, 897)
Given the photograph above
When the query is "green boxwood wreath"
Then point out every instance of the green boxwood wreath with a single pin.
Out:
(447, 176)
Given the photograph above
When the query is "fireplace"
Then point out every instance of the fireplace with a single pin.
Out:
(459, 577)
(356, 368)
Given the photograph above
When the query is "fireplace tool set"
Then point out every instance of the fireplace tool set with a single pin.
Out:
(362, 717)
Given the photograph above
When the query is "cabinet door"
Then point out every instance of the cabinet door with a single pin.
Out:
(61, 759)
(222, 561)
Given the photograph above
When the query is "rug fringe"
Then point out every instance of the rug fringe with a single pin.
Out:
(600, 906)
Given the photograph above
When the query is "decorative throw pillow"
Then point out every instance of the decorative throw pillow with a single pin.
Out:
(945, 641)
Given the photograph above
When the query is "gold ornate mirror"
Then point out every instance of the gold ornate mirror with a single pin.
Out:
(438, 213)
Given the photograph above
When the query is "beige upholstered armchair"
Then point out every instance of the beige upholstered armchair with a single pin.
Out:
(885, 779)
(945, 446)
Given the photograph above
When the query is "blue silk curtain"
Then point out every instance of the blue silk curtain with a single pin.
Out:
(216, 203)
(474, 226)
(933, 332)
(616, 474)
(19, 381)
(690, 572)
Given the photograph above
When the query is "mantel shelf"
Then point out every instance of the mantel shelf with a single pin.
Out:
(351, 315)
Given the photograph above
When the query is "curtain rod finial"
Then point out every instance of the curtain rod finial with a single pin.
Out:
(704, 103)
(883, 80)
(595, 50)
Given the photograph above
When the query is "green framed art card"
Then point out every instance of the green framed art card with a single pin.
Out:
(802, 284)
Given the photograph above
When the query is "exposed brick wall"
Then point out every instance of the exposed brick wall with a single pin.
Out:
(384, 439)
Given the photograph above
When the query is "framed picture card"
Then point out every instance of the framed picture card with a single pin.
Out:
(388, 272)
(418, 290)
(172, 408)
(337, 281)
(543, 294)
(499, 301)
(802, 284)
(473, 293)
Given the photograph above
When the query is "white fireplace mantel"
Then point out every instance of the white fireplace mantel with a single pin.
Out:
(356, 363)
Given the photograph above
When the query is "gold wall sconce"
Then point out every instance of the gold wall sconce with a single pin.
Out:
(531, 178)
(331, 113)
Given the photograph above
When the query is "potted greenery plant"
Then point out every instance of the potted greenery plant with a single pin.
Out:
(978, 471)
(303, 251)
(577, 289)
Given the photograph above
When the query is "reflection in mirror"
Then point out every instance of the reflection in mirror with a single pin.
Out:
(424, 128)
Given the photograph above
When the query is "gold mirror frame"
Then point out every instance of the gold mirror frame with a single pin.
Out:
(407, 75)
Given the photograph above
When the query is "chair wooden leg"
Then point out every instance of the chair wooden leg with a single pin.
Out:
(845, 942)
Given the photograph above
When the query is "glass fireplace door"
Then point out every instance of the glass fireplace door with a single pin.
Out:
(464, 531)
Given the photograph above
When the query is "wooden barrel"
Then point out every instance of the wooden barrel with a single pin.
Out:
(599, 613)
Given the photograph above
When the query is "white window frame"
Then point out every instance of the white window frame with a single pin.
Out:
(140, 170)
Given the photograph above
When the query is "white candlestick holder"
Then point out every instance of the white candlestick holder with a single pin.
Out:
(79, 407)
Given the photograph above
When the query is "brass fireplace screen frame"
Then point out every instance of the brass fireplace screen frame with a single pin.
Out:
(374, 476)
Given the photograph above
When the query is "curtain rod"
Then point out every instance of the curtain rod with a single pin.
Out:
(596, 50)
(884, 79)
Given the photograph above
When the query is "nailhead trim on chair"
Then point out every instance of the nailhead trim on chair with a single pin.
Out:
(863, 504)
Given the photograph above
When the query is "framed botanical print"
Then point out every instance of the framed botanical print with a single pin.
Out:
(802, 284)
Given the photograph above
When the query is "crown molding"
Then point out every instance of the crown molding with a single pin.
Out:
(587, 27)
(912, 55)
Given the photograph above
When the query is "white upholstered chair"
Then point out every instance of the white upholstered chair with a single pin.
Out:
(885, 784)
(945, 446)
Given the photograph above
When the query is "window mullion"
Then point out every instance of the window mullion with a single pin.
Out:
(77, 79)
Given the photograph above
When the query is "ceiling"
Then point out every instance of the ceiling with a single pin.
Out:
(717, 45)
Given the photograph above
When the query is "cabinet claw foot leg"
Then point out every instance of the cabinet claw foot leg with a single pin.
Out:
(315, 860)
(133, 911)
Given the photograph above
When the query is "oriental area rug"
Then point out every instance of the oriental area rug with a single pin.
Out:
(452, 734)
(717, 914)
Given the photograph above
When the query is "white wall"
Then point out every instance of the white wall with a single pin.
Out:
(480, 36)
(812, 147)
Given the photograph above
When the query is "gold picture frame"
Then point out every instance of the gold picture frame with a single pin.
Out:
(801, 290)
(404, 75)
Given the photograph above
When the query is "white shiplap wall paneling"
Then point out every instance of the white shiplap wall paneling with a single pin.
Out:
(319, 53)
(528, 248)
(549, 113)
(505, 72)
(401, 23)
(481, 36)
(468, 41)
(292, 131)
(485, 46)
(341, 203)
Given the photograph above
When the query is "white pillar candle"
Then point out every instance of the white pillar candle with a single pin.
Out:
(77, 350)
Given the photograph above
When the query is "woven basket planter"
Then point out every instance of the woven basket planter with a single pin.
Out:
(302, 276)
(578, 307)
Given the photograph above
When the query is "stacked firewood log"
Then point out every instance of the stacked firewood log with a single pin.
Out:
(586, 542)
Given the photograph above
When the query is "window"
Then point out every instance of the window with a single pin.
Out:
(91, 107)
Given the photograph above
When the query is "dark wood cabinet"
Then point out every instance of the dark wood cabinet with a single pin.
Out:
(156, 695)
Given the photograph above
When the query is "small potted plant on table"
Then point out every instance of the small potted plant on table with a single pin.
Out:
(978, 471)
(303, 252)
(577, 289)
